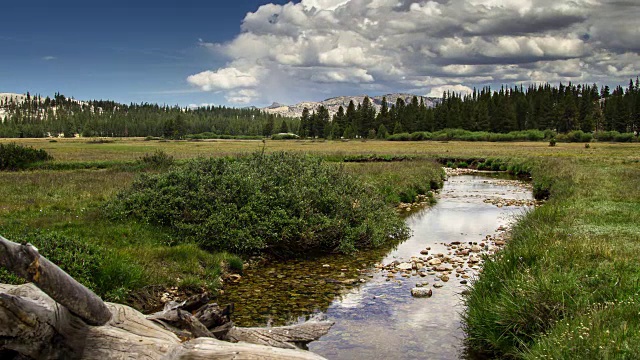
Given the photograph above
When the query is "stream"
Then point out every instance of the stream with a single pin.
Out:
(369, 296)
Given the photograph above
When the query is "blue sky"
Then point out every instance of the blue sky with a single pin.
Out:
(255, 52)
(113, 49)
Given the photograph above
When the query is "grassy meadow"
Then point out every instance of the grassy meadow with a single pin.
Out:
(566, 286)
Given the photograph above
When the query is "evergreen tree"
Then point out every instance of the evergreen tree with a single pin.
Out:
(283, 127)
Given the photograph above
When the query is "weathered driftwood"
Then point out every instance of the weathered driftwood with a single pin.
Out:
(286, 337)
(25, 261)
(216, 323)
(35, 323)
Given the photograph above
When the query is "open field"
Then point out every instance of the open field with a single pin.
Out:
(130, 260)
(566, 286)
(130, 149)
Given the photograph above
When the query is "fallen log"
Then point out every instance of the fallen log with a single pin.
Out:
(35, 326)
(25, 261)
(286, 337)
(213, 321)
(55, 317)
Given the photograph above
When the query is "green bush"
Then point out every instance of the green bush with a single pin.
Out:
(626, 137)
(281, 203)
(420, 136)
(101, 270)
(210, 135)
(549, 134)
(16, 157)
(399, 137)
(576, 136)
(615, 136)
(78, 258)
(159, 159)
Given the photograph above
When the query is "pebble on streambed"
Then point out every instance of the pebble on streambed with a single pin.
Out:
(421, 292)
(461, 263)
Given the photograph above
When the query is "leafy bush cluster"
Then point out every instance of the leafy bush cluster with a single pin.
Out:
(465, 135)
(16, 157)
(516, 167)
(210, 135)
(282, 203)
(93, 266)
(159, 159)
(527, 135)
(615, 136)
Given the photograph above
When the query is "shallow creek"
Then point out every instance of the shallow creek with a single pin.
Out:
(375, 315)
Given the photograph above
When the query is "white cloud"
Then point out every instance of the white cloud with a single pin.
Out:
(49, 58)
(437, 91)
(226, 78)
(243, 96)
(320, 47)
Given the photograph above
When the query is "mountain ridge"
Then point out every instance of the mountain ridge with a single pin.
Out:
(333, 104)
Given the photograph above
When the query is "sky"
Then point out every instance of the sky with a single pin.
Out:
(251, 52)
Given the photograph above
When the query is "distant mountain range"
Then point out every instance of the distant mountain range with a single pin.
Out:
(334, 103)
(331, 104)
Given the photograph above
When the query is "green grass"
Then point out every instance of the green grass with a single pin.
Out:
(60, 212)
(567, 284)
(399, 181)
(59, 208)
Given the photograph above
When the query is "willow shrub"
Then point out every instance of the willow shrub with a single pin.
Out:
(282, 203)
(16, 157)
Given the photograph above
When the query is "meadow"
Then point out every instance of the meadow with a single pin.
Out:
(566, 286)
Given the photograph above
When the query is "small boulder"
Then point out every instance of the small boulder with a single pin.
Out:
(421, 292)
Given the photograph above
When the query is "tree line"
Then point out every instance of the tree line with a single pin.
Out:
(38, 117)
(562, 108)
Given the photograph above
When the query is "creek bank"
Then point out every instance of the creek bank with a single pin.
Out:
(370, 301)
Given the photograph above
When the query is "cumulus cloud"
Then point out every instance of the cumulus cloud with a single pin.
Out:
(319, 47)
(437, 91)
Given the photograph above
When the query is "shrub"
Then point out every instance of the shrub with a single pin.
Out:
(626, 137)
(586, 137)
(606, 135)
(399, 137)
(549, 134)
(159, 159)
(281, 203)
(420, 136)
(16, 157)
(78, 258)
(552, 142)
(101, 270)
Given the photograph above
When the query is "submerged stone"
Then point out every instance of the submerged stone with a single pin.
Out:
(421, 292)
